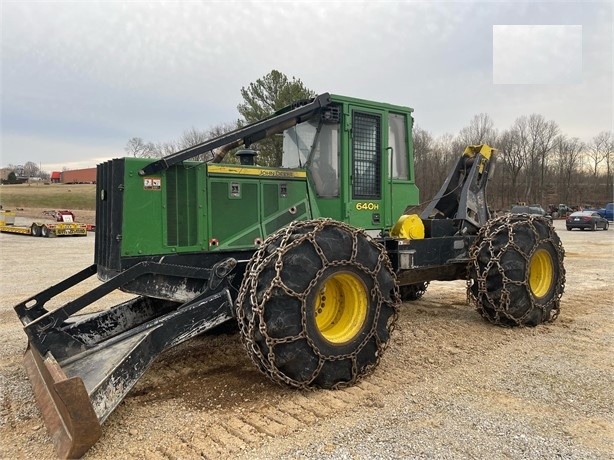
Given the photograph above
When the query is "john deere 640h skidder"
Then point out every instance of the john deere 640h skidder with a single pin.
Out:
(311, 259)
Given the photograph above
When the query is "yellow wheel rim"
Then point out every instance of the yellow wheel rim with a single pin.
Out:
(541, 273)
(341, 308)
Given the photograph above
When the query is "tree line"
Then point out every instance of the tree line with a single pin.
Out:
(536, 162)
(20, 173)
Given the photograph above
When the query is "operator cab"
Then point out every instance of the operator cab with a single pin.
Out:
(358, 156)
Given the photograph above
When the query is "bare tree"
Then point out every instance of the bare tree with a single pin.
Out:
(163, 149)
(481, 130)
(138, 148)
(609, 186)
(445, 151)
(569, 153)
(194, 136)
(432, 159)
(30, 169)
(597, 151)
(535, 160)
(511, 161)
(600, 151)
(536, 138)
(423, 144)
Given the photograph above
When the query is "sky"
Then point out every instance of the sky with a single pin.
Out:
(79, 79)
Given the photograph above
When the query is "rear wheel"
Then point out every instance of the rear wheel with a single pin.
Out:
(317, 305)
(44, 231)
(35, 230)
(516, 273)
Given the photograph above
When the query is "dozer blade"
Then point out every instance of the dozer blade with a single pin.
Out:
(90, 364)
(82, 366)
(65, 405)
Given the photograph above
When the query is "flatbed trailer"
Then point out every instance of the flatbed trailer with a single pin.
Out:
(7, 225)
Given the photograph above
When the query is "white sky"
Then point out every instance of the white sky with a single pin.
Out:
(78, 79)
(537, 54)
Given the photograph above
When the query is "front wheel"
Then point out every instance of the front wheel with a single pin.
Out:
(317, 305)
(516, 273)
(606, 225)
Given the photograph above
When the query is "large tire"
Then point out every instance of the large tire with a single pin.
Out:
(35, 230)
(317, 305)
(44, 231)
(411, 292)
(516, 273)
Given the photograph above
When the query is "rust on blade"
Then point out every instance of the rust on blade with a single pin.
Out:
(65, 405)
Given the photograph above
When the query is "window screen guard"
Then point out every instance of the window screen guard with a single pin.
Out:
(366, 147)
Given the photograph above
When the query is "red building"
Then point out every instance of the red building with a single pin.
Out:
(56, 177)
(79, 176)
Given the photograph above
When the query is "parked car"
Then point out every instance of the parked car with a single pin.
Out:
(607, 212)
(586, 219)
(533, 209)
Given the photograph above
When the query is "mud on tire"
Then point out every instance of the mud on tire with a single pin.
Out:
(317, 305)
(516, 273)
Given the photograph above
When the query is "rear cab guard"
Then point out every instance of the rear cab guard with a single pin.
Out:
(82, 367)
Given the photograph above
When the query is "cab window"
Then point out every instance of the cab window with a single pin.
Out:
(324, 162)
(397, 141)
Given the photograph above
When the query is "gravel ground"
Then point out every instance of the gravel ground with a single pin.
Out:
(449, 386)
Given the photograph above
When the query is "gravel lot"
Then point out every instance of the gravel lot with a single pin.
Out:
(449, 386)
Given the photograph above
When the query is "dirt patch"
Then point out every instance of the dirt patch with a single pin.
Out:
(450, 385)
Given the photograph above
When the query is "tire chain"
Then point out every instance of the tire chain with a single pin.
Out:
(411, 292)
(288, 239)
(485, 237)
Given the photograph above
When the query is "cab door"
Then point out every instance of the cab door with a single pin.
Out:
(365, 206)
(400, 191)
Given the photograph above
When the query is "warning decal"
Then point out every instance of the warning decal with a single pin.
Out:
(152, 183)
